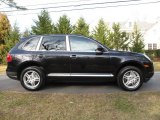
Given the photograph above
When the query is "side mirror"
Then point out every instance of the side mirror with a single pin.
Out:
(99, 50)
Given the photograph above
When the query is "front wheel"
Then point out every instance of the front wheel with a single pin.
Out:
(130, 78)
(32, 78)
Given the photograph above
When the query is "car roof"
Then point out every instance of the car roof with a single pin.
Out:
(63, 35)
(26, 38)
(31, 36)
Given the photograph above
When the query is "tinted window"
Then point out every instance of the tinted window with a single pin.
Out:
(55, 43)
(81, 44)
(31, 45)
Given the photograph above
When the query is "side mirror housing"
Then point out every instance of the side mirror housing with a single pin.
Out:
(99, 50)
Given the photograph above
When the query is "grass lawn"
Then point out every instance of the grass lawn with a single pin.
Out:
(2, 68)
(115, 106)
(156, 66)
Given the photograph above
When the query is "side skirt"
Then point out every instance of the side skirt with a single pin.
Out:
(80, 75)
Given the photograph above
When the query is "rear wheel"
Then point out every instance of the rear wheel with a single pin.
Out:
(32, 78)
(130, 78)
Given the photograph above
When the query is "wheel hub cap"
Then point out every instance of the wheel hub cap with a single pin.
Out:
(131, 79)
(31, 79)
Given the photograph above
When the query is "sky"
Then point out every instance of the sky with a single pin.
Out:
(144, 12)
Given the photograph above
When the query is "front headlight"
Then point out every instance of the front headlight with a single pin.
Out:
(147, 57)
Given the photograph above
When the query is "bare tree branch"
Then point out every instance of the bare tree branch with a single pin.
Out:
(11, 3)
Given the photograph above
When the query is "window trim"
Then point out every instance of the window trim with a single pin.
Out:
(68, 48)
(106, 50)
(30, 40)
(154, 46)
(150, 46)
(40, 42)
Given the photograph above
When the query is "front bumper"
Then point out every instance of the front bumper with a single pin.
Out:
(148, 76)
(148, 72)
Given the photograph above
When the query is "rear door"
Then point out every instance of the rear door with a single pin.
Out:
(54, 55)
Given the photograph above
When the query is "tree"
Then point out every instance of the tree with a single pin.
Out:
(125, 41)
(13, 4)
(115, 36)
(10, 40)
(13, 37)
(4, 32)
(101, 32)
(81, 27)
(137, 40)
(4, 27)
(43, 25)
(63, 26)
(26, 33)
(119, 40)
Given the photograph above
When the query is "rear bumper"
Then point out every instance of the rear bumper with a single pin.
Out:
(12, 75)
(11, 71)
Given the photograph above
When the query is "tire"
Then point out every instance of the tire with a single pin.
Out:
(130, 78)
(32, 78)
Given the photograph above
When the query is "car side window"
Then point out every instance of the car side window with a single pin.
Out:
(81, 44)
(31, 45)
(53, 43)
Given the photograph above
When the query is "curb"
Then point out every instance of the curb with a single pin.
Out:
(157, 72)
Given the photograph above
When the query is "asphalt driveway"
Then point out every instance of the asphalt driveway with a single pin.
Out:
(7, 84)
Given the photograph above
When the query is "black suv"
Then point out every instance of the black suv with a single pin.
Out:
(37, 58)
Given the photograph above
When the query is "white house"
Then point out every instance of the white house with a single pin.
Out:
(152, 37)
(150, 32)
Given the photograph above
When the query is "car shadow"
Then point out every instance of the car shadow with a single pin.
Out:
(74, 86)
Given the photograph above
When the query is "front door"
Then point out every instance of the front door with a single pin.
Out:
(84, 59)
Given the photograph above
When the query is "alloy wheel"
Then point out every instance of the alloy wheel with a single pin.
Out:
(31, 79)
(131, 79)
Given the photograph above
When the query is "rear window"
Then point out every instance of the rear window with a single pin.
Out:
(31, 45)
(53, 43)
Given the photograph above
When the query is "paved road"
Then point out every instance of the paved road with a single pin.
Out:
(7, 84)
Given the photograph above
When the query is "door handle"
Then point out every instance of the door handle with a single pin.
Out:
(40, 55)
(73, 56)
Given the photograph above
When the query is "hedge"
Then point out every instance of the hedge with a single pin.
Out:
(153, 54)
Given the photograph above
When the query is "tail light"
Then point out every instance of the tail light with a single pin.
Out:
(9, 58)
